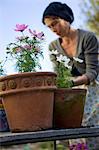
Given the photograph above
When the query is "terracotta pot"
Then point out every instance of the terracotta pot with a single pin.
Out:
(69, 107)
(28, 100)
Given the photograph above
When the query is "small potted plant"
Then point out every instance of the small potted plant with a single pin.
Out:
(69, 102)
(28, 95)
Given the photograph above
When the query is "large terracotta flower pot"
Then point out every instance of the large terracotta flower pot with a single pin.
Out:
(28, 100)
(69, 107)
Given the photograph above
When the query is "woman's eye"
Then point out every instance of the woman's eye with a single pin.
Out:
(54, 23)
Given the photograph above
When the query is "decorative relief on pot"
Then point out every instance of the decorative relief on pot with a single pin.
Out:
(19, 82)
(12, 84)
(2, 86)
(33, 82)
(54, 81)
(39, 81)
(49, 81)
(26, 82)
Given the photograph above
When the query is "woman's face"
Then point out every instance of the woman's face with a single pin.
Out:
(58, 26)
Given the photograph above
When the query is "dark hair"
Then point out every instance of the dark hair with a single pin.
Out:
(58, 9)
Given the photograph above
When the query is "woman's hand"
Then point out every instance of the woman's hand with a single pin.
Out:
(80, 80)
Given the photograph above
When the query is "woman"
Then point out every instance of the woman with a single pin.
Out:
(83, 45)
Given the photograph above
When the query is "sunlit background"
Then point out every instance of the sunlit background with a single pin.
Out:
(30, 12)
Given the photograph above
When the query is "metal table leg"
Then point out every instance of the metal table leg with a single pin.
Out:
(55, 147)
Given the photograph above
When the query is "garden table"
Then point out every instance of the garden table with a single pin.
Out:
(8, 138)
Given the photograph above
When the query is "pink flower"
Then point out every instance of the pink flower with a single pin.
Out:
(79, 146)
(37, 49)
(38, 35)
(21, 27)
(27, 47)
(33, 32)
(18, 49)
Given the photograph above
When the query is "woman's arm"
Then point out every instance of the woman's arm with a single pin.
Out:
(81, 80)
(91, 53)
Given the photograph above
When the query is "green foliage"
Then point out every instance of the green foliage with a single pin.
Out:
(50, 145)
(1, 69)
(91, 10)
(63, 76)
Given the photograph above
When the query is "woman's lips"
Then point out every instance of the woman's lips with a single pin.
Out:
(57, 33)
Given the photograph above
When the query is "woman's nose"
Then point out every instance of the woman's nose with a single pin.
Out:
(53, 29)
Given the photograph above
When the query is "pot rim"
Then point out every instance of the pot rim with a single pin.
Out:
(38, 89)
(26, 74)
(71, 90)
